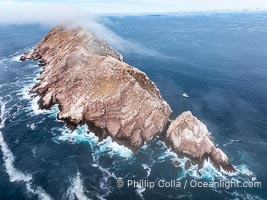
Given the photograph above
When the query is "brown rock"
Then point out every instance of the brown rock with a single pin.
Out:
(189, 136)
(42, 63)
(92, 85)
(22, 58)
(176, 163)
(187, 165)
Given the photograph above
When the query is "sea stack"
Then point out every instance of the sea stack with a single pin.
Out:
(189, 137)
(93, 85)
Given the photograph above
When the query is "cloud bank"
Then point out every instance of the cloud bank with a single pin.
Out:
(46, 13)
(79, 12)
(52, 14)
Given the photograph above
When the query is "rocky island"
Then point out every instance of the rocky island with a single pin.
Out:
(92, 84)
(188, 136)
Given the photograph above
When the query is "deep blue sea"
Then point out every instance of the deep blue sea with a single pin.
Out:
(219, 60)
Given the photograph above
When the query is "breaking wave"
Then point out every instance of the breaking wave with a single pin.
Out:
(82, 134)
(148, 169)
(8, 157)
(102, 148)
(76, 190)
(14, 174)
(208, 171)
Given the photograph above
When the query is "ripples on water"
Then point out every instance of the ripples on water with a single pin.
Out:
(43, 159)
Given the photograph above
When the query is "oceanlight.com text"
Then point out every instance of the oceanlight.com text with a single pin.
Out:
(187, 184)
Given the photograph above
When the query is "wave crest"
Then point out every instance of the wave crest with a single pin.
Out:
(76, 190)
(14, 174)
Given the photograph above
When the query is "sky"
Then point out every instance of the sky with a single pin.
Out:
(142, 6)
(53, 12)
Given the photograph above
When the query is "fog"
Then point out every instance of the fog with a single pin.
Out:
(51, 13)
(69, 15)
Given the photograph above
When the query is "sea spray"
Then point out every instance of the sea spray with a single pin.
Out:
(208, 171)
(148, 169)
(82, 134)
(76, 189)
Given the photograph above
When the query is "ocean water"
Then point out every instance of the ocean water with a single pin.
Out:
(219, 60)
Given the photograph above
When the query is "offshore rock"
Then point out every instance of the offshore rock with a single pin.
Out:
(22, 58)
(91, 84)
(189, 137)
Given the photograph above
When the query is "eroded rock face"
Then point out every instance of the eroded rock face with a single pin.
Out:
(92, 85)
(189, 137)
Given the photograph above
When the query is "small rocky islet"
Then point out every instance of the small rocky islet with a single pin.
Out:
(92, 85)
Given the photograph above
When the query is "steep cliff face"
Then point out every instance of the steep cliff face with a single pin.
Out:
(91, 84)
(189, 137)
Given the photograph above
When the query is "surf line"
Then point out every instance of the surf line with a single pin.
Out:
(14, 174)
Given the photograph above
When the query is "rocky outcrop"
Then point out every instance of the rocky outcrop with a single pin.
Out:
(189, 137)
(91, 84)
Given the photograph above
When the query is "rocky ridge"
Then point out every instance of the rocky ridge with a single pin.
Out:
(92, 84)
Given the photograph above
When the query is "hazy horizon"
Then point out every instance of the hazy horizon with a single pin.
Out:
(80, 11)
(138, 6)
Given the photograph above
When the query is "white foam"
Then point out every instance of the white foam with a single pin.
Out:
(208, 171)
(32, 126)
(167, 154)
(113, 148)
(42, 195)
(106, 173)
(106, 147)
(14, 174)
(54, 111)
(148, 169)
(244, 170)
(76, 189)
(231, 141)
(139, 190)
(35, 107)
(16, 58)
(25, 92)
(82, 134)
(34, 151)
